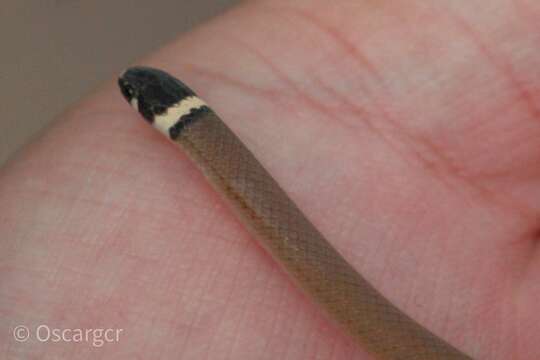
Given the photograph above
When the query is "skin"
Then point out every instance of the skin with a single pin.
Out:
(412, 148)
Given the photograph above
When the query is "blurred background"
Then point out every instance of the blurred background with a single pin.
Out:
(55, 51)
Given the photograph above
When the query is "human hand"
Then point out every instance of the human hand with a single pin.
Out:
(406, 132)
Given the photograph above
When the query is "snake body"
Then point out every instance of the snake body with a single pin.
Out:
(276, 222)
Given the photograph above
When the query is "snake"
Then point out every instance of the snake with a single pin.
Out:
(276, 222)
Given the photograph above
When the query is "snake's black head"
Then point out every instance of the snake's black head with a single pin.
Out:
(151, 91)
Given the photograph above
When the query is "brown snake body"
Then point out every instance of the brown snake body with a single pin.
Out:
(277, 223)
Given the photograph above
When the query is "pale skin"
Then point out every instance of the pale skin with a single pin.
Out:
(407, 132)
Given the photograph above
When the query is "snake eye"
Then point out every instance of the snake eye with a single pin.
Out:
(126, 89)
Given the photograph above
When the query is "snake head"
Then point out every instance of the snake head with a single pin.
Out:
(151, 91)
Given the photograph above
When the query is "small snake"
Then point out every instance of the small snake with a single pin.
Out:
(276, 222)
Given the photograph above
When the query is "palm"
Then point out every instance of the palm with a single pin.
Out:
(406, 133)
